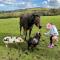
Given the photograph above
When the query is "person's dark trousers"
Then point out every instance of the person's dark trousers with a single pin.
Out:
(51, 39)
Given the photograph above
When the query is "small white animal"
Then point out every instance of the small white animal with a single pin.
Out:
(7, 40)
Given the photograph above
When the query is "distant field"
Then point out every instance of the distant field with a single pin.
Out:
(10, 27)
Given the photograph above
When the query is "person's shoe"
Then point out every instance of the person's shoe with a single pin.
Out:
(50, 46)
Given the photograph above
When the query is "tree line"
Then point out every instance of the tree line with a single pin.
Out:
(40, 11)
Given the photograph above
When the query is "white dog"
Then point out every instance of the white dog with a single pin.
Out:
(7, 40)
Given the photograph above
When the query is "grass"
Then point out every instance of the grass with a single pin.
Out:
(10, 27)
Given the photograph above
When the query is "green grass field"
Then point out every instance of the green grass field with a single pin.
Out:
(10, 27)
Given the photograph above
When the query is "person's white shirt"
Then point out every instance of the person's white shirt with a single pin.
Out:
(52, 31)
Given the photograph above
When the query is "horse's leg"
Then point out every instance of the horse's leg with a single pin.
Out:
(20, 28)
(26, 35)
(30, 32)
(20, 25)
(28, 46)
(25, 32)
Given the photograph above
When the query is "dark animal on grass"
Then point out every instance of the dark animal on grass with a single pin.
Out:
(34, 41)
(27, 21)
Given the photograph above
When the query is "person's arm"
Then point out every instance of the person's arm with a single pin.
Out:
(47, 33)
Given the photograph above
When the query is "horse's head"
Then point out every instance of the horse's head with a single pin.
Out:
(37, 20)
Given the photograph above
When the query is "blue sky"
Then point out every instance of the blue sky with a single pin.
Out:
(6, 5)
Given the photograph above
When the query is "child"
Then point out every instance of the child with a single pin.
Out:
(53, 32)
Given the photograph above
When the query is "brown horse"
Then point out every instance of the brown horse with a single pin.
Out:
(27, 21)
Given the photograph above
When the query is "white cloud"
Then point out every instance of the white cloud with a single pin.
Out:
(8, 1)
(30, 5)
(2, 5)
(58, 1)
(44, 2)
(48, 0)
(54, 3)
(21, 3)
(17, 3)
(0, 0)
